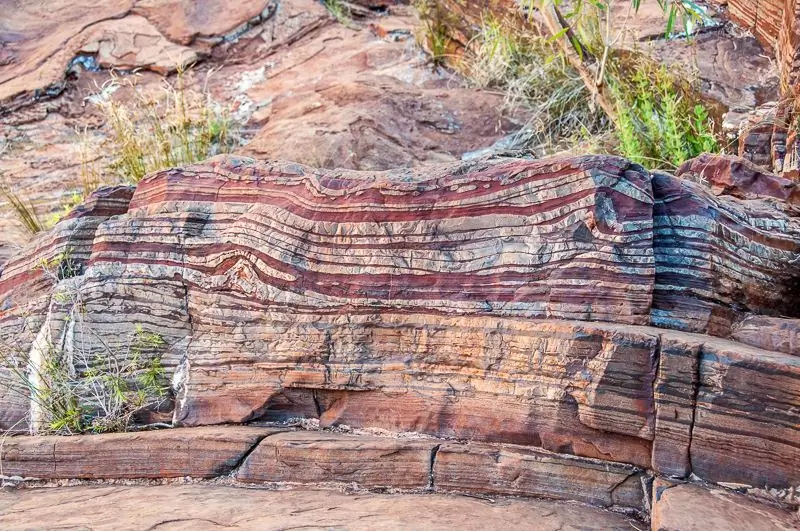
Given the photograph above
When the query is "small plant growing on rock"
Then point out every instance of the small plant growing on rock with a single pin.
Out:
(434, 33)
(658, 123)
(77, 392)
(157, 130)
(82, 384)
(339, 9)
(527, 69)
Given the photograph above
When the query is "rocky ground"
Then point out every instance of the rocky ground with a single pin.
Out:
(305, 88)
(204, 507)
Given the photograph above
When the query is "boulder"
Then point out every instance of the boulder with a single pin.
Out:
(743, 430)
(520, 471)
(729, 175)
(152, 34)
(769, 333)
(719, 258)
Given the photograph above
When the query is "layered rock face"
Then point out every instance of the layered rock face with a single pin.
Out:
(554, 312)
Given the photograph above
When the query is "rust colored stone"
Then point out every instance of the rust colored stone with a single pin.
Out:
(737, 177)
(691, 507)
(520, 471)
(322, 457)
(196, 452)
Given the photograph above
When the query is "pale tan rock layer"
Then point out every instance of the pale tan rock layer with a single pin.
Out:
(546, 304)
(692, 507)
(205, 507)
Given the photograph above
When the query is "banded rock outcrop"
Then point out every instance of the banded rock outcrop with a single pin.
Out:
(568, 305)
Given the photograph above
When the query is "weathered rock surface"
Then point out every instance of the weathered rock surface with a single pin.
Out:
(741, 417)
(210, 507)
(710, 266)
(195, 452)
(691, 507)
(521, 471)
(734, 176)
(41, 39)
(453, 302)
(769, 333)
(321, 457)
(61, 252)
(301, 86)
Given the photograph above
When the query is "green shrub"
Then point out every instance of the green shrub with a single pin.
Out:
(658, 122)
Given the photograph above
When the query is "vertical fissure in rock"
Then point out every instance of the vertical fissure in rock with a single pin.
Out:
(234, 470)
(434, 451)
(317, 404)
(695, 394)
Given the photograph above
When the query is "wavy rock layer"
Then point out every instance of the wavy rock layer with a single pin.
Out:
(543, 304)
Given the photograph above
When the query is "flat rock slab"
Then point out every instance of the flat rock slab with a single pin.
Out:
(692, 507)
(197, 452)
(321, 457)
(200, 507)
(516, 470)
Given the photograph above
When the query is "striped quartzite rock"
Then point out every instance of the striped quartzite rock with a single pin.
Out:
(557, 304)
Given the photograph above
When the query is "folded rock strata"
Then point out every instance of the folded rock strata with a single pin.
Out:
(580, 306)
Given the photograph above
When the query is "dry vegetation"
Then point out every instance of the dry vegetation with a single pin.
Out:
(146, 130)
(85, 385)
(162, 129)
(578, 89)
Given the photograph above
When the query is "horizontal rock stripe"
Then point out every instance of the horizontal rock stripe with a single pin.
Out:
(503, 301)
(323, 457)
(205, 452)
(521, 471)
(260, 455)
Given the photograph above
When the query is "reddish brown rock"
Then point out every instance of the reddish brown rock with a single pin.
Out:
(737, 177)
(788, 46)
(300, 86)
(322, 457)
(520, 471)
(746, 417)
(770, 333)
(197, 452)
(719, 258)
(43, 39)
(456, 301)
(775, 24)
(674, 395)
(695, 507)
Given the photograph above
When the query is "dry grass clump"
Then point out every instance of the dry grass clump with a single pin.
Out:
(578, 89)
(23, 209)
(528, 70)
(434, 33)
(170, 127)
(147, 130)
